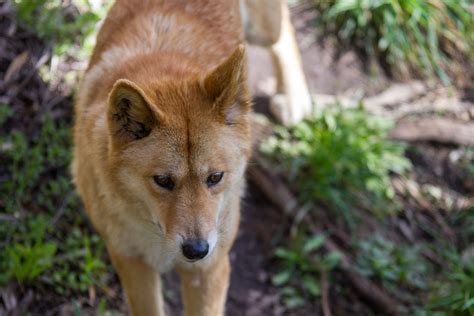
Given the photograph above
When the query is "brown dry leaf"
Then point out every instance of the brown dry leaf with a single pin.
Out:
(16, 65)
(92, 295)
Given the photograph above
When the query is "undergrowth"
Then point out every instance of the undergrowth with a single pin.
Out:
(40, 208)
(409, 37)
(342, 159)
(46, 243)
(67, 26)
(303, 265)
(395, 265)
(453, 293)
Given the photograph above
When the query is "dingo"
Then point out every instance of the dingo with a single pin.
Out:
(162, 139)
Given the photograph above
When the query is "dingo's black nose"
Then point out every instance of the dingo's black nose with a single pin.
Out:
(195, 249)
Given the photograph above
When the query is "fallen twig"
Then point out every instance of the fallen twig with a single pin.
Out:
(440, 130)
(325, 295)
(15, 67)
(398, 93)
(61, 210)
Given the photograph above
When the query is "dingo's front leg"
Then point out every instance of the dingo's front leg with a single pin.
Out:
(141, 283)
(204, 291)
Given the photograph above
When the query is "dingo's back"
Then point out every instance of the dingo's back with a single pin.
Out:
(185, 36)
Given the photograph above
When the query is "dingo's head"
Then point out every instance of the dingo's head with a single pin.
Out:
(178, 151)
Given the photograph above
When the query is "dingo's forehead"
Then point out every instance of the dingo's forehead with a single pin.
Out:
(189, 146)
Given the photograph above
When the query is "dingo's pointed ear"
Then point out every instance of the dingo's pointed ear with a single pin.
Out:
(129, 115)
(225, 85)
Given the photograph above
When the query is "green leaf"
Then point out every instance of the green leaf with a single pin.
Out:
(285, 254)
(331, 260)
(313, 244)
(293, 302)
(289, 291)
(281, 278)
(310, 284)
(469, 303)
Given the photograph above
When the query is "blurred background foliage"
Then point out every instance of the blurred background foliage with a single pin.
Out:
(407, 37)
(338, 154)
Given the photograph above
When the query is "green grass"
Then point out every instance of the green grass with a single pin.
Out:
(41, 251)
(418, 37)
(46, 243)
(453, 294)
(27, 260)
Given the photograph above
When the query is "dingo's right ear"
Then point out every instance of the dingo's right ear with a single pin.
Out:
(226, 83)
(129, 115)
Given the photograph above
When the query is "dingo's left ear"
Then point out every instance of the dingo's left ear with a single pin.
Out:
(225, 85)
(129, 113)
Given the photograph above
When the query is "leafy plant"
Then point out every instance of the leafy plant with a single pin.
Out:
(455, 292)
(68, 28)
(36, 192)
(26, 261)
(393, 264)
(341, 157)
(27, 164)
(301, 267)
(5, 112)
(463, 222)
(58, 22)
(83, 267)
(429, 38)
(466, 160)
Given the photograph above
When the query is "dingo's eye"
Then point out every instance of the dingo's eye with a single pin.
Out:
(164, 182)
(214, 178)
